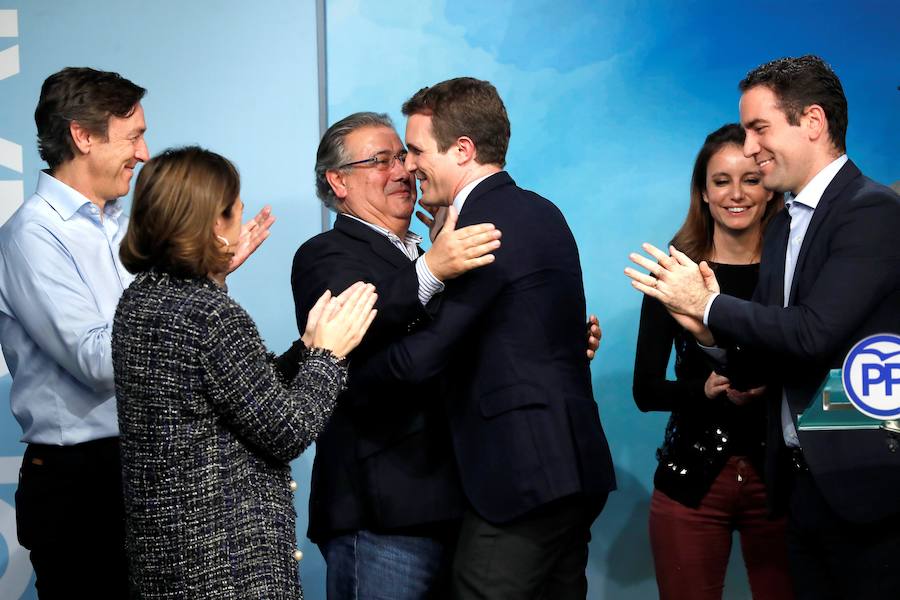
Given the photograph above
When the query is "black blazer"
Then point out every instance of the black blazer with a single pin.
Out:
(509, 339)
(384, 462)
(846, 286)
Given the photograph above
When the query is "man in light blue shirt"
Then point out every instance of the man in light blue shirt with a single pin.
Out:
(60, 280)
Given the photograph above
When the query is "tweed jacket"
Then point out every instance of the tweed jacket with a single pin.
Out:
(209, 420)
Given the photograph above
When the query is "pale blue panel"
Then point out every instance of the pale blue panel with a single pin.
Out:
(234, 76)
(609, 103)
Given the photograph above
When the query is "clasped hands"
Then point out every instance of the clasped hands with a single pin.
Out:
(683, 286)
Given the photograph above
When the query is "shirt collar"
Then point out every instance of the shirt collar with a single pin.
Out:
(812, 191)
(409, 238)
(463, 194)
(66, 200)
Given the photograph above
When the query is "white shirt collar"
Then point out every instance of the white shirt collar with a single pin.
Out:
(460, 198)
(812, 191)
(409, 238)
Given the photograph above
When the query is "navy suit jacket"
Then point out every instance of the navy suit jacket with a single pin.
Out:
(510, 341)
(846, 286)
(384, 462)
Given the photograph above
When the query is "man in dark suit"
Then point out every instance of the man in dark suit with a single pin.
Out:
(829, 277)
(385, 499)
(508, 339)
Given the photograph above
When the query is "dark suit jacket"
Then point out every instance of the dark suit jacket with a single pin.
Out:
(384, 461)
(846, 286)
(510, 340)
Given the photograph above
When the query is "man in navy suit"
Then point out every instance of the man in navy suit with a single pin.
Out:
(829, 277)
(508, 342)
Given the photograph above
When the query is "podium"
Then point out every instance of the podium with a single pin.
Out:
(831, 410)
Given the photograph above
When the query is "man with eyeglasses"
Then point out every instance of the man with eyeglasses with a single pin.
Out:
(385, 498)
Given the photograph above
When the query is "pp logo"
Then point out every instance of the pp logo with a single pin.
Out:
(871, 376)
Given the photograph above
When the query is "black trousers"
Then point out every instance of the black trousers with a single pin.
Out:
(70, 514)
(540, 555)
(831, 558)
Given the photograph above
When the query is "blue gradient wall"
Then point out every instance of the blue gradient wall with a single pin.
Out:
(609, 102)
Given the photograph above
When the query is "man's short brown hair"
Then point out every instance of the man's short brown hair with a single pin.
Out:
(799, 82)
(85, 96)
(465, 107)
(177, 198)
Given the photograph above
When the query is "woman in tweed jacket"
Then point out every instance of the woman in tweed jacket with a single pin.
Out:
(209, 419)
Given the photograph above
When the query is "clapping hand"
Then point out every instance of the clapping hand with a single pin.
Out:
(253, 233)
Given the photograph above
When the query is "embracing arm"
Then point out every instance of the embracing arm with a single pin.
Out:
(424, 354)
(336, 269)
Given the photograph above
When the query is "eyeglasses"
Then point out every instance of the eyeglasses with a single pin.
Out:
(381, 161)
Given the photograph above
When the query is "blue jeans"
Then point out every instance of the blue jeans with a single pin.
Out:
(370, 566)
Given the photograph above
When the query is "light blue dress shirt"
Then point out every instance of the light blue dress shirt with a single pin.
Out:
(60, 281)
(801, 209)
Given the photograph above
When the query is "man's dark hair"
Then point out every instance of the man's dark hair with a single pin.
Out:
(800, 82)
(465, 107)
(84, 96)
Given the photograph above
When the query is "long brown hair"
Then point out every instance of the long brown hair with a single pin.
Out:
(177, 198)
(695, 238)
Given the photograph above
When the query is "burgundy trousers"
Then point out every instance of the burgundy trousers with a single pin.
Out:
(691, 545)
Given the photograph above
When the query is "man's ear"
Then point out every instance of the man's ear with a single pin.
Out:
(82, 138)
(465, 150)
(816, 122)
(336, 181)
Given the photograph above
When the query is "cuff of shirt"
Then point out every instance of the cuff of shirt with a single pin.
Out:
(719, 355)
(708, 306)
(429, 285)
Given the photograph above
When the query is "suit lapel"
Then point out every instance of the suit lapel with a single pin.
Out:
(493, 182)
(780, 230)
(847, 173)
(379, 243)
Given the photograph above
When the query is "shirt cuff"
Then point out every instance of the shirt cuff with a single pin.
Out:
(429, 285)
(719, 355)
(708, 306)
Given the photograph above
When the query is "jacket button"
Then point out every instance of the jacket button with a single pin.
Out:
(298, 555)
(293, 485)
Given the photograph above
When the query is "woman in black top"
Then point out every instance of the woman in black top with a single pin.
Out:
(708, 483)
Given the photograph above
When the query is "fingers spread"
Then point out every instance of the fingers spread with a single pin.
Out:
(425, 219)
(647, 280)
(642, 261)
(681, 257)
(655, 252)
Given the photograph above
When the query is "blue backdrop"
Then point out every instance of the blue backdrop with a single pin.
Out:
(609, 102)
